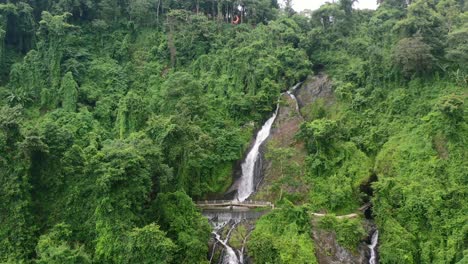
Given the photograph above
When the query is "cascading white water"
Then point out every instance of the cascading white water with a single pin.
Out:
(230, 257)
(246, 185)
(245, 189)
(374, 241)
(295, 100)
(291, 94)
(295, 87)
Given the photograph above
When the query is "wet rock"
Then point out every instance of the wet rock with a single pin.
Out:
(315, 88)
(329, 251)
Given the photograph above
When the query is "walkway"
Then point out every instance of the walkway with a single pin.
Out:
(218, 204)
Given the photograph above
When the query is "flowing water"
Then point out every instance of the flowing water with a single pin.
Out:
(230, 257)
(222, 218)
(246, 185)
(291, 94)
(374, 241)
(295, 99)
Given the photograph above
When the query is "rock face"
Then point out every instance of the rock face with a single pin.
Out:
(284, 130)
(286, 126)
(282, 136)
(328, 251)
(315, 88)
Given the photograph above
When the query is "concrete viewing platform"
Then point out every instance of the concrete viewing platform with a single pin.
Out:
(218, 204)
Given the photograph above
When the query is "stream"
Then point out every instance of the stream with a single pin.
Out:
(372, 246)
(246, 185)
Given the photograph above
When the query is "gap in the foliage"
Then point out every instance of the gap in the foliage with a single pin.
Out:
(367, 189)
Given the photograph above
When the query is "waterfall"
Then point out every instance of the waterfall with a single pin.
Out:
(295, 87)
(374, 241)
(222, 218)
(295, 100)
(230, 256)
(244, 242)
(246, 185)
(291, 94)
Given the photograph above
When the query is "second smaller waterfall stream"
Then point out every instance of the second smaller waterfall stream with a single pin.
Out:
(374, 241)
(230, 257)
(291, 94)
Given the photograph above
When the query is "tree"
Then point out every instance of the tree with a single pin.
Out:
(17, 237)
(150, 245)
(347, 6)
(82, 9)
(183, 94)
(5, 11)
(54, 248)
(288, 7)
(451, 12)
(52, 33)
(132, 114)
(123, 184)
(457, 48)
(281, 237)
(69, 90)
(142, 11)
(413, 56)
(319, 134)
(423, 21)
(185, 226)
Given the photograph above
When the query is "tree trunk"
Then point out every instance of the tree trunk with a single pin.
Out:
(170, 42)
(220, 11)
(157, 11)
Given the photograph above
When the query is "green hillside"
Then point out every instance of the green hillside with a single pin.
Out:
(116, 115)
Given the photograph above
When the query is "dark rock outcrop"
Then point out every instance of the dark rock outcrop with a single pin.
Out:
(314, 88)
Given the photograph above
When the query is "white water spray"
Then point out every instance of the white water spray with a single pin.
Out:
(246, 185)
(245, 189)
(295, 100)
(374, 241)
(230, 257)
(291, 94)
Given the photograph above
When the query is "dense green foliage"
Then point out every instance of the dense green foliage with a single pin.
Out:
(113, 111)
(283, 237)
(114, 115)
(400, 115)
(349, 232)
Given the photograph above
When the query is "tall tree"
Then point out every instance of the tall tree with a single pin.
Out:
(123, 183)
(69, 91)
(52, 33)
(18, 227)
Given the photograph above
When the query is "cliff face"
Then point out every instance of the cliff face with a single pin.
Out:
(283, 156)
(284, 161)
(329, 251)
(313, 89)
